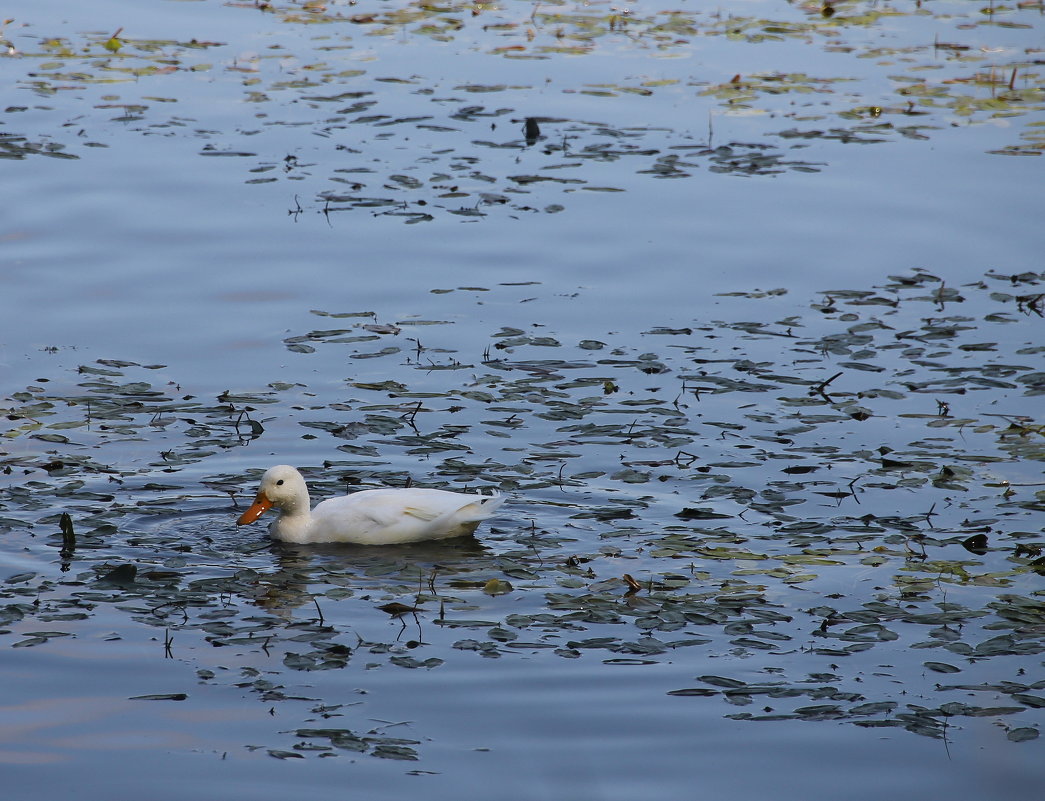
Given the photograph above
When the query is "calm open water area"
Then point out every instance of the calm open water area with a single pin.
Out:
(740, 305)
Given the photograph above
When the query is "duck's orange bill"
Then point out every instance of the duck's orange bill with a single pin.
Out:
(260, 506)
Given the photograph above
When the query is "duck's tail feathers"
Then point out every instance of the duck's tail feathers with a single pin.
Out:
(484, 507)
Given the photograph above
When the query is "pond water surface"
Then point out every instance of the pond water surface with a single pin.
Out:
(740, 306)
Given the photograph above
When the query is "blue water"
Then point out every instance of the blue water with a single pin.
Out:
(144, 249)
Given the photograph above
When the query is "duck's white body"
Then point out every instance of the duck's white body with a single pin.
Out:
(369, 517)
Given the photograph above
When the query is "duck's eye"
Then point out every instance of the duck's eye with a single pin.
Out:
(279, 483)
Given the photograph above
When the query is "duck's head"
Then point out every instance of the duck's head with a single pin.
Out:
(283, 487)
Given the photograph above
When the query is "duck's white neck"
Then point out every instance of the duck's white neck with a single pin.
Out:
(295, 517)
(299, 504)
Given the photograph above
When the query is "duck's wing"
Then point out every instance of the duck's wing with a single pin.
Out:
(387, 506)
(401, 515)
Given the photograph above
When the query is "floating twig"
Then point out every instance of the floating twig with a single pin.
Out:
(315, 600)
(819, 389)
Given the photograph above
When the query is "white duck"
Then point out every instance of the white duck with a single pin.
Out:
(368, 517)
